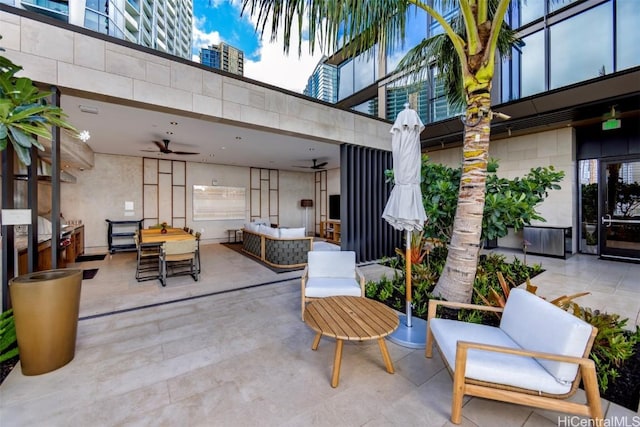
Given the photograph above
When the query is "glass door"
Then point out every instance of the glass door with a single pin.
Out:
(619, 227)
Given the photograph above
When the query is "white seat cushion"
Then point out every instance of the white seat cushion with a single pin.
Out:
(507, 369)
(320, 287)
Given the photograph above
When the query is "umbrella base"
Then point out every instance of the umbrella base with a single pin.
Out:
(413, 337)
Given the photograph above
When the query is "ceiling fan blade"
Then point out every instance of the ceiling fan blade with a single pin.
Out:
(184, 152)
(160, 146)
(321, 165)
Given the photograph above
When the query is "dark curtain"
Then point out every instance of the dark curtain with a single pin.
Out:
(364, 194)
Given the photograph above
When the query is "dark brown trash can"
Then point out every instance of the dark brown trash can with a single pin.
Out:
(45, 308)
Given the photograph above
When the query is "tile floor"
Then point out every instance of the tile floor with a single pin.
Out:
(242, 357)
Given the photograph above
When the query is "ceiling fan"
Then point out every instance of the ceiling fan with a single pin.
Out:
(164, 148)
(315, 165)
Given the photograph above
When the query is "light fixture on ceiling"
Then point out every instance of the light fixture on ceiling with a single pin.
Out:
(88, 109)
(84, 135)
(173, 123)
(169, 132)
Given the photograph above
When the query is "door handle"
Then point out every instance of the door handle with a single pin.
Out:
(606, 220)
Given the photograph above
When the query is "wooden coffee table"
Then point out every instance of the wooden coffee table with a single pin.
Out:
(352, 319)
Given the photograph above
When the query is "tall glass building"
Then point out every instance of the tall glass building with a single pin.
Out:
(323, 82)
(572, 91)
(165, 25)
(565, 42)
(223, 57)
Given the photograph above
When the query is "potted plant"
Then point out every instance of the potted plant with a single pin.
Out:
(25, 113)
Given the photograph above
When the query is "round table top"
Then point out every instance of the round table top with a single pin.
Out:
(350, 318)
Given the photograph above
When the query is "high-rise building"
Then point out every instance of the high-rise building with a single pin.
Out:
(164, 25)
(223, 57)
(323, 83)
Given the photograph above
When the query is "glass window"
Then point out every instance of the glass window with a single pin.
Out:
(557, 4)
(582, 47)
(364, 66)
(628, 34)
(345, 79)
(588, 198)
(96, 22)
(532, 63)
(369, 107)
(528, 11)
(95, 5)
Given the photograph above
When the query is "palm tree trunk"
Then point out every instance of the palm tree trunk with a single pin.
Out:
(456, 280)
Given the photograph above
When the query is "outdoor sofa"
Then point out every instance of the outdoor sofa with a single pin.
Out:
(277, 247)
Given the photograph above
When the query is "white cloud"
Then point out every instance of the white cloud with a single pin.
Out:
(286, 71)
(274, 67)
(202, 38)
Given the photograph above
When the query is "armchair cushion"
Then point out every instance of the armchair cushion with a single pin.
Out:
(516, 371)
(320, 287)
(330, 273)
(332, 264)
(529, 320)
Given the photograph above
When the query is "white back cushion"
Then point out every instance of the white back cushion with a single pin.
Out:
(536, 324)
(332, 264)
(251, 226)
(268, 231)
(264, 221)
(292, 233)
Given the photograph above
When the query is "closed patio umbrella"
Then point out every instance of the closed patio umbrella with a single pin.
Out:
(405, 211)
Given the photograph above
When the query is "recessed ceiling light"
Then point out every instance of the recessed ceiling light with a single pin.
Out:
(223, 148)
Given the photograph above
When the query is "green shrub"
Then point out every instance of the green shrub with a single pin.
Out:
(613, 344)
(8, 340)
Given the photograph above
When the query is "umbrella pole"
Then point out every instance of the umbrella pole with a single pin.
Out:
(411, 333)
(408, 263)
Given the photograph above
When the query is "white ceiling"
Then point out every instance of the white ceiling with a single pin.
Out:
(130, 130)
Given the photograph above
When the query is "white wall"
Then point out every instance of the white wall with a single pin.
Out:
(517, 156)
(101, 192)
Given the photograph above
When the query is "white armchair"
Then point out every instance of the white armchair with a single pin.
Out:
(536, 357)
(330, 273)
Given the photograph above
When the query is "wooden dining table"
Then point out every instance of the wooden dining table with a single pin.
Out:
(154, 235)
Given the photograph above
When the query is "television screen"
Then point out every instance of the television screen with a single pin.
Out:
(334, 206)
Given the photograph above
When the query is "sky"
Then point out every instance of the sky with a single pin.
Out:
(218, 21)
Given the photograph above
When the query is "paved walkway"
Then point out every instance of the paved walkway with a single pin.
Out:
(244, 358)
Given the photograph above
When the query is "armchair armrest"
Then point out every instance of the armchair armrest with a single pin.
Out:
(587, 373)
(464, 346)
(432, 311)
(433, 306)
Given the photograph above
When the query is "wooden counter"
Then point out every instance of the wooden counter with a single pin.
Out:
(68, 255)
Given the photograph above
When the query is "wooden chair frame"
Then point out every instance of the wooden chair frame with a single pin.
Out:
(466, 386)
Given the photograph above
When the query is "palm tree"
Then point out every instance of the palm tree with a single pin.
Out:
(355, 26)
(24, 112)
